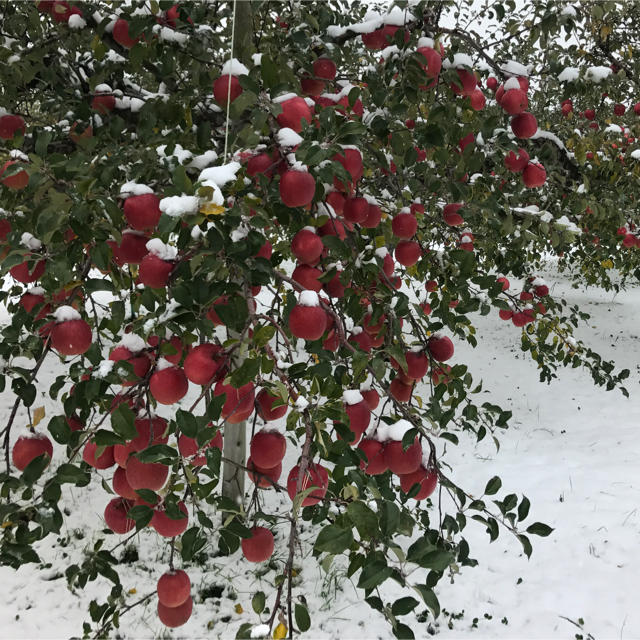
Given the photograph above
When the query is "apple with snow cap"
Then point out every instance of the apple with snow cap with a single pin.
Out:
(294, 112)
(157, 265)
(71, 335)
(440, 347)
(357, 411)
(308, 319)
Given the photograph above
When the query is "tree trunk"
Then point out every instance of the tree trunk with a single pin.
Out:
(235, 435)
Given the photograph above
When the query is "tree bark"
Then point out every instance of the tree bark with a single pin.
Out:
(235, 435)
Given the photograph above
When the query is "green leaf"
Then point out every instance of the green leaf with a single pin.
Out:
(104, 438)
(269, 71)
(373, 574)
(122, 421)
(258, 602)
(429, 598)
(35, 468)
(59, 429)
(493, 486)
(526, 545)
(539, 529)
(389, 515)
(523, 508)
(158, 453)
(403, 606)
(364, 519)
(333, 539)
(303, 621)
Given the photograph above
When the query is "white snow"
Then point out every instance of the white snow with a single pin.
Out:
(287, 137)
(514, 68)
(569, 74)
(133, 342)
(220, 175)
(29, 241)
(260, 631)
(161, 250)
(394, 431)
(104, 368)
(179, 205)
(203, 160)
(351, 396)
(103, 88)
(308, 299)
(597, 74)
(234, 67)
(135, 189)
(511, 83)
(65, 313)
(301, 403)
(460, 61)
(424, 41)
(162, 364)
(568, 10)
(76, 22)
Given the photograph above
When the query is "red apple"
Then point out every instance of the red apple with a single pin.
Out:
(264, 478)
(374, 451)
(154, 271)
(259, 547)
(534, 175)
(71, 338)
(239, 403)
(324, 68)
(121, 34)
(168, 527)
(427, 480)
(121, 485)
(516, 163)
(203, 363)
(297, 188)
(440, 347)
(27, 448)
(451, 216)
(265, 407)
(402, 462)
(175, 616)
(221, 89)
(294, 111)
(307, 322)
(174, 588)
(307, 247)
(103, 461)
(169, 385)
(146, 475)
(407, 252)
(16, 181)
(143, 211)
(514, 101)
(115, 516)
(315, 476)
(140, 363)
(524, 125)
(188, 448)
(268, 448)
(404, 225)
(9, 125)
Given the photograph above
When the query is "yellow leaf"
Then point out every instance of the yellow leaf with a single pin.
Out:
(238, 608)
(607, 264)
(211, 209)
(38, 414)
(280, 632)
(132, 591)
(5, 524)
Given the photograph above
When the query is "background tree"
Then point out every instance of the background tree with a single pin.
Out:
(301, 223)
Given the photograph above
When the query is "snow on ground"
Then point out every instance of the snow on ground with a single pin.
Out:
(572, 449)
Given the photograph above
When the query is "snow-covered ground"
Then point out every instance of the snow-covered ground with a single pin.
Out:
(572, 449)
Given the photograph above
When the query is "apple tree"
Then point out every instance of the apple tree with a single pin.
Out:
(246, 238)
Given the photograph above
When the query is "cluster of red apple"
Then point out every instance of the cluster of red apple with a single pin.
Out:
(630, 236)
(528, 314)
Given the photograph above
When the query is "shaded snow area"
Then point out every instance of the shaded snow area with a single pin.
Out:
(572, 449)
